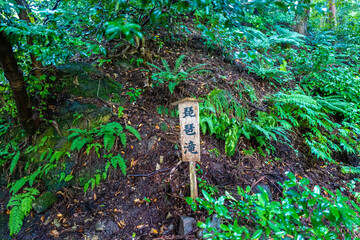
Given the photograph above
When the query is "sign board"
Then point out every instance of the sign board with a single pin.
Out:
(189, 129)
(190, 137)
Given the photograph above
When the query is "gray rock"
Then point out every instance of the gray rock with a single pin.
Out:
(99, 226)
(171, 227)
(152, 142)
(266, 187)
(111, 228)
(84, 80)
(124, 64)
(107, 227)
(186, 225)
(44, 202)
(95, 237)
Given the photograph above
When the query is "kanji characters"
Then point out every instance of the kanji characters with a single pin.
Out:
(189, 112)
(191, 147)
(189, 129)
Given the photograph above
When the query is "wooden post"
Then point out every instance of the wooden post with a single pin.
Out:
(190, 137)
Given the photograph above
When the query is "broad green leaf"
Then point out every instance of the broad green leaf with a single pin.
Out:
(257, 234)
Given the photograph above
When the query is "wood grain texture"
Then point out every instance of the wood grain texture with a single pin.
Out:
(189, 131)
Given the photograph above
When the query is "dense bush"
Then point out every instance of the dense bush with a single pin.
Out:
(302, 213)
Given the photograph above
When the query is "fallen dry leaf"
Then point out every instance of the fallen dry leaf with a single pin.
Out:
(121, 224)
(142, 226)
(55, 233)
(138, 201)
(154, 231)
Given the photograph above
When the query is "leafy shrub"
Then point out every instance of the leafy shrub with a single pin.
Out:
(302, 214)
(48, 160)
(109, 132)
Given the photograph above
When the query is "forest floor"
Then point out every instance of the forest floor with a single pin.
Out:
(148, 202)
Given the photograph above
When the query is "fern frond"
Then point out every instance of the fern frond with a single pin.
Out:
(166, 65)
(223, 102)
(109, 140)
(178, 63)
(334, 104)
(78, 143)
(154, 66)
(14, 162)
(18, 185)
(26, 205)
(133, 131)
(196, 68)
(15, 220)
(123, 139)
(121, 162)
(207, 121)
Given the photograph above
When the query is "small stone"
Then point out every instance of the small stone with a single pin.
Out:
(171, 227)
(151, 142)
(186, 225)
(90, 219)
(99, 226)
(111, 227)
(44, 202)
(95, 237)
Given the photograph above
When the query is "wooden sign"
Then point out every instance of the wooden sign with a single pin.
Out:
(190, 137)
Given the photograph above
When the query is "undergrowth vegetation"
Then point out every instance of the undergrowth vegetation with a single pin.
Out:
(308, 56)
(302, 213)
(94, 142)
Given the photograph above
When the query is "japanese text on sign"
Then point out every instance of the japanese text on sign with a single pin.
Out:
(190, 134)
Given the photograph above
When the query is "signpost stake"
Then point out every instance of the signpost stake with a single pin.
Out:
(190, 137)
(193, 181)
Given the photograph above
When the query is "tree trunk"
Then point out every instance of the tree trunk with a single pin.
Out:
(16, 79)
(302, 18)
(332, 14)
(24, 15)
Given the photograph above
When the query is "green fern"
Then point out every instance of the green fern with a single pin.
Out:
(118, 160)
(21, 206)
(350, 169)
(178, 63)
(133, 131)
(173, 77)
(221, 101)
(307, 112)
(123, 139)
(15, 220)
